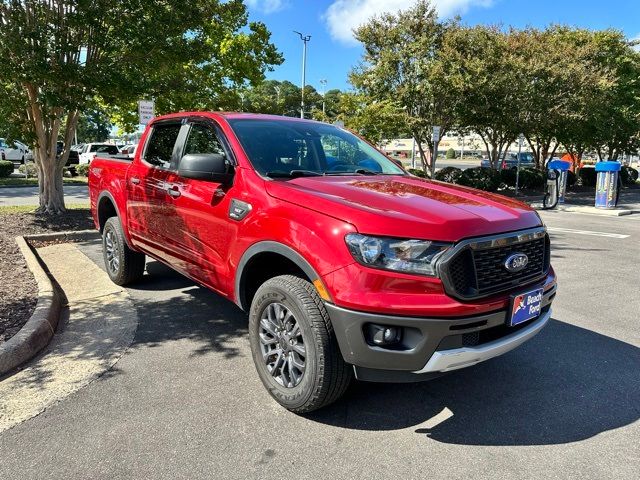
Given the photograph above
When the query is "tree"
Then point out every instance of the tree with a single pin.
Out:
(402, 64)
(616, 116)
(489, 86)
(376, 121)
(93, 126)
(61, 56)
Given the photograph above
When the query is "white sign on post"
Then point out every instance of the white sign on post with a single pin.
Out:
(520, 140)
(145, 111)
(436, 134)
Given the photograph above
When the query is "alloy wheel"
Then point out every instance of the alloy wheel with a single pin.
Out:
(112, 251)
(282, 345)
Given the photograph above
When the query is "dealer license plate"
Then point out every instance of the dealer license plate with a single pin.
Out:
(525, 306)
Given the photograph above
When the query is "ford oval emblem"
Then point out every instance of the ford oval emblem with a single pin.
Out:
(516, 262)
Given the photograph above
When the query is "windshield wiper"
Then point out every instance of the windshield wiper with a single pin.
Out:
(293, 174)
(357, 171)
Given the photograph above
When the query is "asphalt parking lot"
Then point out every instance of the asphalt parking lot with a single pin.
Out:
(185, 400)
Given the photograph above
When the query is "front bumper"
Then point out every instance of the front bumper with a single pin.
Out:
(430, 345)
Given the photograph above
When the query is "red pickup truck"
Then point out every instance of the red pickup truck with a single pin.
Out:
(347, 265)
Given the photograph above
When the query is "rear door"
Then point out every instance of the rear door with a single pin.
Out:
(150, 206)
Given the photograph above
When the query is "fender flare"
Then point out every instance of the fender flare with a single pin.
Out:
(106, 194)
(271, 247)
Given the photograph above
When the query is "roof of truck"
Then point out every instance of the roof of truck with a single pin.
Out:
(233, 115)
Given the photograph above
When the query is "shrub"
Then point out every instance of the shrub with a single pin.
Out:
(82, 169)
(451, 153)
(587, 176)
(29, 168)
(6, 168)
(532, 178)
(628, 175)
(448, 174)
(508, 177)
(418, 173)
(481, 178)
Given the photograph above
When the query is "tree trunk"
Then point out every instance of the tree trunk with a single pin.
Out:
(50, 167)
(423, 157)
(50, 183)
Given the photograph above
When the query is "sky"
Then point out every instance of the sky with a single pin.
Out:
(332, 51)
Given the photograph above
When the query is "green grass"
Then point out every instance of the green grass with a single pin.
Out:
(11, 209)
(32, 181)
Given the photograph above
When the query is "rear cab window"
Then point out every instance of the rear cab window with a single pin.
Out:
(160, 146)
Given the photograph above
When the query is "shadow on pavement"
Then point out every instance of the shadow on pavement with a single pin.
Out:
(566, 385)
(200, 315)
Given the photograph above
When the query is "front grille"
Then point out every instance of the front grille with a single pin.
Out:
(476, 272)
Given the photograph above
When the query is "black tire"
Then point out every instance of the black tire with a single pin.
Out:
(326, 375)
(123, 265)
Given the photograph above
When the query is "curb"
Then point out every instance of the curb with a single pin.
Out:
(40, 328)
(36, 333)
(74, 236)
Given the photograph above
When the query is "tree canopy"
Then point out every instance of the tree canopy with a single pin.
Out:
(61, 56)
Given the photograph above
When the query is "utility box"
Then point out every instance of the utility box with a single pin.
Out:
(607, 184)
(562, 167)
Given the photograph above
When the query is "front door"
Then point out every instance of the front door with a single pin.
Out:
(201, 222)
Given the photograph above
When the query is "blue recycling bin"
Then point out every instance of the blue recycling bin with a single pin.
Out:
(562, 167)
(607, 184)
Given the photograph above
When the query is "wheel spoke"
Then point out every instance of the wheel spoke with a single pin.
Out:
(268, 339)
(295, 330)
(269, 326)
(297, 363)
(299, 348)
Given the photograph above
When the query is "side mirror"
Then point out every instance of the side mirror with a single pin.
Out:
(210, 167)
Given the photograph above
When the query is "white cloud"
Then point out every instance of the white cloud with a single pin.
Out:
(343, 16)
(267, 6)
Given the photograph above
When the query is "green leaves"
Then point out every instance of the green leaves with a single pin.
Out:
(61, 57)
(557, 85)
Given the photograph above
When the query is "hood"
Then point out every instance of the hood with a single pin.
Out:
(407, 206)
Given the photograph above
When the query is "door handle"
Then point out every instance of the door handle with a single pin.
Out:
(173, 191)
(135, 180)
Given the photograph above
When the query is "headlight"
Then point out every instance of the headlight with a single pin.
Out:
(410, 256)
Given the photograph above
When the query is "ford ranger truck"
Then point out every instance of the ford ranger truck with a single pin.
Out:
(347, 265)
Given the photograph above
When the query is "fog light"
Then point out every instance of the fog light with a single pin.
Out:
(383, 335)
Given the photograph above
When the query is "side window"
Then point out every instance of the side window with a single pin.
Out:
(160, 146)
(203, 139)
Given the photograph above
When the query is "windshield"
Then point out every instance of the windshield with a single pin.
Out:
(289, 148)
(109, 149)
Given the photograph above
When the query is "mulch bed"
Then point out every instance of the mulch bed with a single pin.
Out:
(18, 290)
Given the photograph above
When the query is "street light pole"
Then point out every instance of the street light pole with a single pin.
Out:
(323, 82)
(305, 39)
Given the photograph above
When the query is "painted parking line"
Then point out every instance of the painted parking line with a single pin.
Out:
(586, 232)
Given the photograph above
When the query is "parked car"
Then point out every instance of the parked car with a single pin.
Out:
(129, 150)
(346, 265)
(510, 160)
(90, 150)
(17, 152)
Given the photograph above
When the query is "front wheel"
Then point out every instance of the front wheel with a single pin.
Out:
(293, 345)
(123, 265)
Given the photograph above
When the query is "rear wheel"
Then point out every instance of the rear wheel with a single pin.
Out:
(293, 345)
(123, 265)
